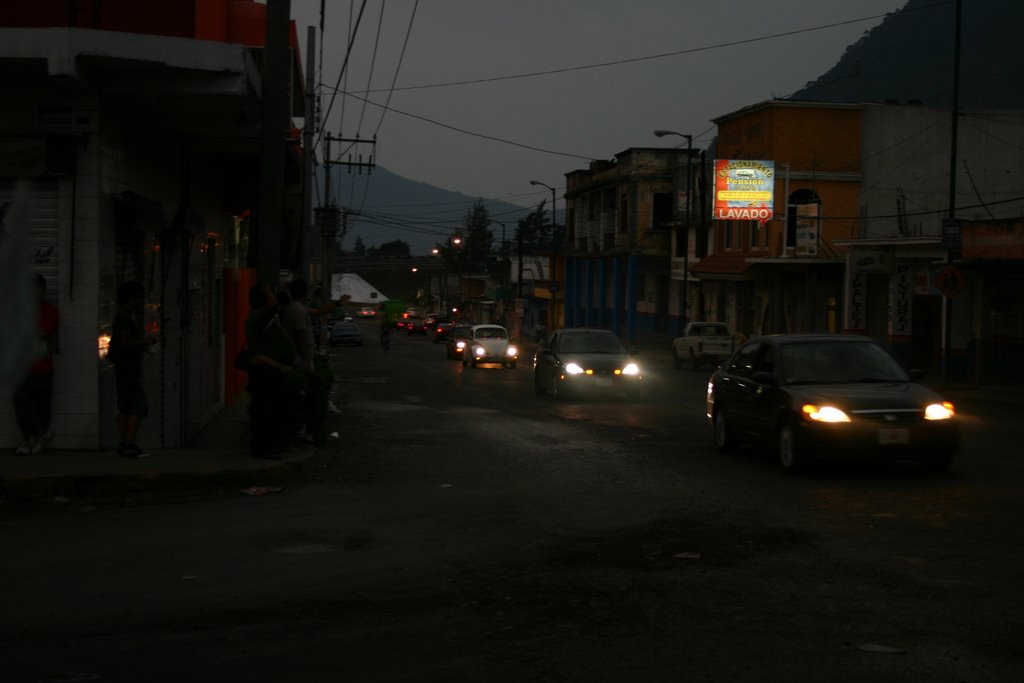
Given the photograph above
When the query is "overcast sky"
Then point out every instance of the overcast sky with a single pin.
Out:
(623, 69)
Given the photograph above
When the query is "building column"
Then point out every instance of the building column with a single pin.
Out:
(631, 294)
(602, 295)
(571, 292)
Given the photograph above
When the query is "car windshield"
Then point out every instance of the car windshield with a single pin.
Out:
(839, 362)
(590, 343)
(490, 333)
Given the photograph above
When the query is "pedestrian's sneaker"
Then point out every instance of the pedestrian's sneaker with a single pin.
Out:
(41, 442)
(24, 446)
(132, 451)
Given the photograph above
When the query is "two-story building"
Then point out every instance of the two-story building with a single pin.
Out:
(135, 128)
(623, 228)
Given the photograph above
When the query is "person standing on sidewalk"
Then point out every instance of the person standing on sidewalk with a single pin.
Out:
(297, 318)
(128, 344)
(272, 358)
(33, 398)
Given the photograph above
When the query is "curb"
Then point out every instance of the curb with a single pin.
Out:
(148, 486)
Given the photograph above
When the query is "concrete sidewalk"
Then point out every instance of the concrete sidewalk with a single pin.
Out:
(219, 459)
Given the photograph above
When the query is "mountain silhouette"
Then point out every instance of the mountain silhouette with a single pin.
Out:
(909, 57)
(388, 207)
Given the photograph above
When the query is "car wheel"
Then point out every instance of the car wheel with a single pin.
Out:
(512, 365)
(789, 455)
(538, 386)
(558, 391)
(694, 362)
(473, 363)
(464, 361)
(725, 442)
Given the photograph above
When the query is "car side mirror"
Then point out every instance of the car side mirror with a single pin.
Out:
(766, 378)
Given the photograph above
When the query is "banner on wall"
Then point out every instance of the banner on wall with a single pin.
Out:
(744, 190)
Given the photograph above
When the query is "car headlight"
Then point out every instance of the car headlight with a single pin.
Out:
(511, 351)
(574, 369)
(460, 345)
(939, 411)
(631, 369)
(478, 350)
(824, 414)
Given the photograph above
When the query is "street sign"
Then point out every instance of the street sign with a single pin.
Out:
(949, 281)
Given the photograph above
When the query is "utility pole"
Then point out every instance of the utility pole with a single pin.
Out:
(308, 132)
(330, 214)
(275, 95)
(951, 230)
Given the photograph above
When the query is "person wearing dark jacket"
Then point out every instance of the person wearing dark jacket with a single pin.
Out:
(272, 358)
(128, 344)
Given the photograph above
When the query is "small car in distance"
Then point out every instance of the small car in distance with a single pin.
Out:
(489, 344)
(828, 396)
(441, 328)
(457, 341)
(367, 312)
(345, 332)
(416, 325)
(579, 361)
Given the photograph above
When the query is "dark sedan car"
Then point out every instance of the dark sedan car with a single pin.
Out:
(575, 361)
(828, 396)
(345, 333)
(456, 342)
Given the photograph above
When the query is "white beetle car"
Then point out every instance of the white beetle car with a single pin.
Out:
(490, 344)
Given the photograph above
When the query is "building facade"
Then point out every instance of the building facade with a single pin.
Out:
(623, 231)
(786, 274)
(133, 133)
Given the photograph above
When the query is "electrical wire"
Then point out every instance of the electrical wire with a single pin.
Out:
(632, 60)
(344, 69)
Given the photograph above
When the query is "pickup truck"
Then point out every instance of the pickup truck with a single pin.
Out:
(703, 344)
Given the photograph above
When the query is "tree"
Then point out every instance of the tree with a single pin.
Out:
(475, 242)
(479, 241)
(534, 230)
(393, 249)
(359, 247)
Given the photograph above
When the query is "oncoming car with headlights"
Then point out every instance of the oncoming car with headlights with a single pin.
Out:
(578, 360)
(489, 344)
(828, 396)
(457, 341)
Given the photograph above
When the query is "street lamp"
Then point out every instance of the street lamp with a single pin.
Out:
(686, 223)
(537, 182)
(553, 229)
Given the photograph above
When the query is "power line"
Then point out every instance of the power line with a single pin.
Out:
(344, 68)
(663, 55)
(471, 133)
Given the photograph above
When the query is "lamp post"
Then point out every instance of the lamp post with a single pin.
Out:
(686, 222)
(537, 182)
(543, 184)
(551, 311)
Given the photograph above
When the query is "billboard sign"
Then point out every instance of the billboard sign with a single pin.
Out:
(744, 190)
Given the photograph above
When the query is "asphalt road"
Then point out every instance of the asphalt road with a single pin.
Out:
(465, 529)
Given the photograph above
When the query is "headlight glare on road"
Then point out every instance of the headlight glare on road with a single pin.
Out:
(824, 414)
(573, 369)
(631, 369)
(939, 411)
